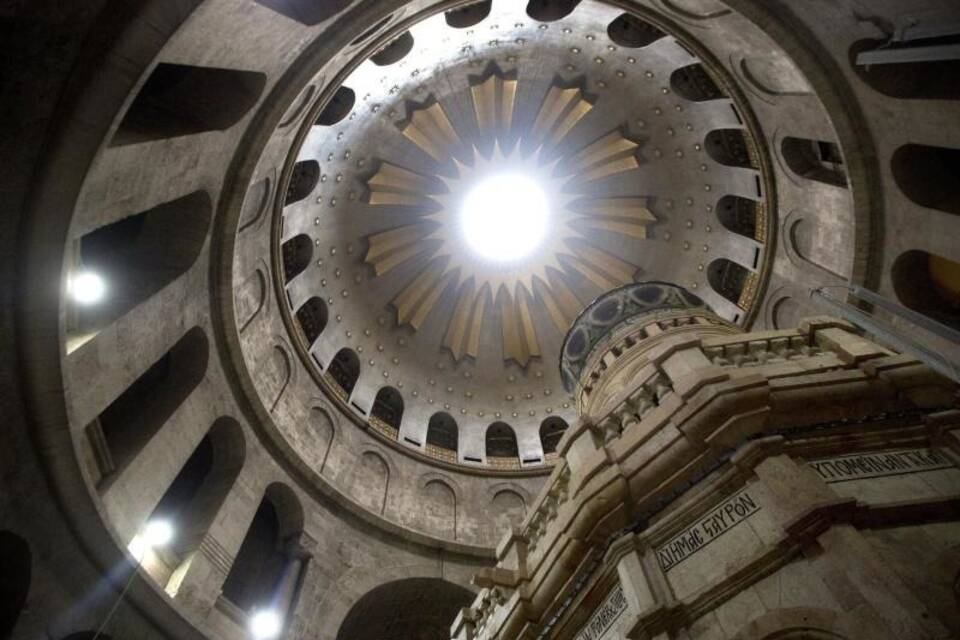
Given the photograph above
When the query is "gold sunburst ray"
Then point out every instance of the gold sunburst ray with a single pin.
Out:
(510, 293)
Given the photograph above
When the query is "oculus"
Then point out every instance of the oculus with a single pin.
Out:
(507, 223)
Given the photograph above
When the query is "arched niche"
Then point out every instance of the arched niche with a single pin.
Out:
(422, 608)
(817, 160)
(694, 83)
(338, 108)
(388, 407)
(509, 508)
(729, 148)
(121, 430)
(442, 431)
(738, 215)
(17, 566)
(141, 254)
(501, 441)
(312, 318)
(194, 498)
(632, 32)
(919, 80)
(395, 51)
(369, 481)
(303, 180)
(439, 508)
(786, 313)
(306, 13)
(345, 369)
(296, 254)
(728, 278)
(324, 431)
(181, 99)
(929, 176)
(551, 430)
(928, 284)
(550, 10)
(269, 559)
(468, 16)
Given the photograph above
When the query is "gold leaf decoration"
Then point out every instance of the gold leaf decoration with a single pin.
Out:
(544, 282)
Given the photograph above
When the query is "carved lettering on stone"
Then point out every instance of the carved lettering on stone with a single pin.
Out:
(605, 616)
(717, 522)
(879, 464)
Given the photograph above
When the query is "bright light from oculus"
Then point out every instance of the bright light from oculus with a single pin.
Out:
(87, 287)
(504, 217)
(265, 624)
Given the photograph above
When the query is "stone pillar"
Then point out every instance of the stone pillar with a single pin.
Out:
(296, 585)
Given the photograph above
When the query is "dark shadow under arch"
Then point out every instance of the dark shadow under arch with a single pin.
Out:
(421, 608)
(16, 563)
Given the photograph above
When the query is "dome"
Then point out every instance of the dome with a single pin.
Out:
(385, 283)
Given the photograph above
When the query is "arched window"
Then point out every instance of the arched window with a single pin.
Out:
(694, 83)
(338, 108)
(551, 430)
(928, 284)
(501, 441)
(303, 180)
(815, 160)
(738, 215)
(728, 279)
(550, 10)
(345, 369)
(195, 496)
(121, 430)
(907, 80)
(267, 568)
(296, 253)
(728, 147)
(312, 318)
(632, 32)
(388, 407)
(395, 51)
(469, 15)
(442, 431)
(16, 563)
(180, 99)
(140, 255)
(929, 176)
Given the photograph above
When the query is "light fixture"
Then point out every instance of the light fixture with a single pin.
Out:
(265, 624)
(157, 533)
(87, 287)
(504, 217)
(153, 535)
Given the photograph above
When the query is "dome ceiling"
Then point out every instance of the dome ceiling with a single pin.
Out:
(616, 121)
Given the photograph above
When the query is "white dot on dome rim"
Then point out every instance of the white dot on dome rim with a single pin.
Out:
(504, 217)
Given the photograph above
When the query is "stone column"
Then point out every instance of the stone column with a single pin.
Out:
(295, 583)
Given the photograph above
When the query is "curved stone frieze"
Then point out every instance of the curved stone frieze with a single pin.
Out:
(615, 308)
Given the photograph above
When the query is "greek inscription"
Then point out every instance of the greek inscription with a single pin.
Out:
(606, 614)
(730, 513)
(879, 465)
